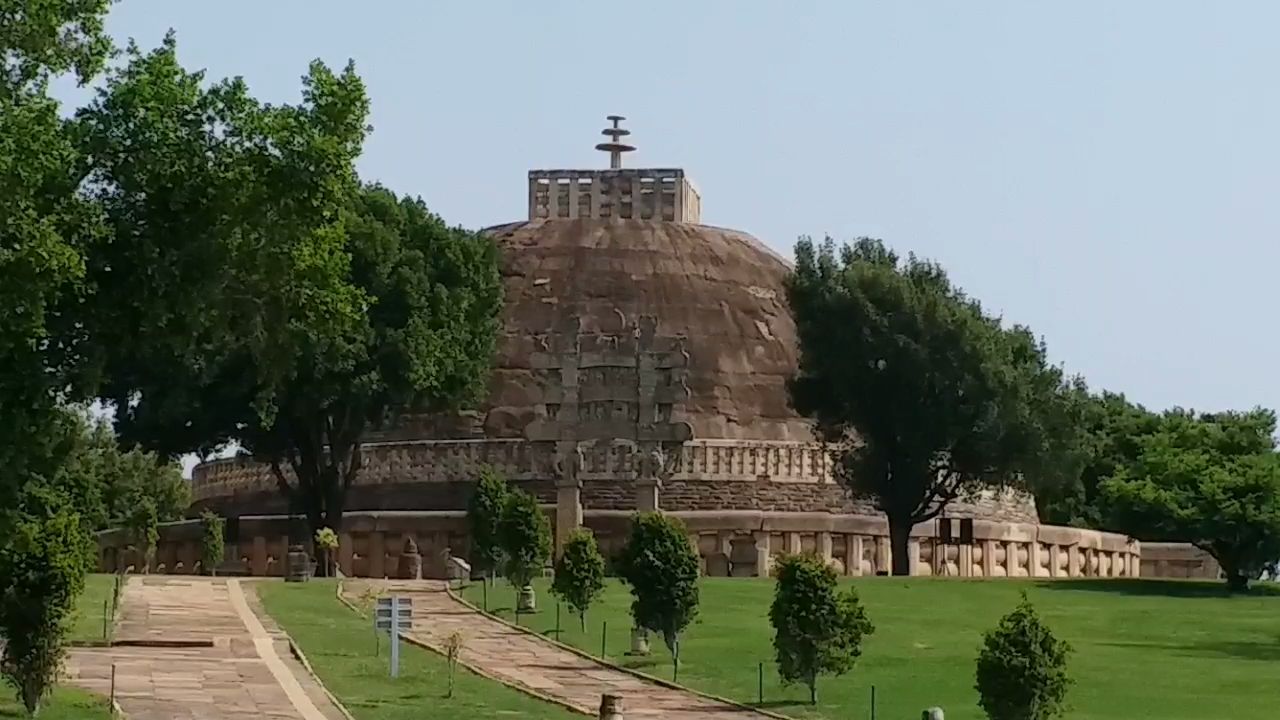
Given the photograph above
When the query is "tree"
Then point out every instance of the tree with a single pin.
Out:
(326, 542)
(662, 569)
(924, 395)
(288, 308)
(1209, 479)
(1113, 428)
(579, 573)
(213, 545)
(484, 516)
(43, 562)
(1022, 668)
(144, 529)
(525, 533)
(817, 629)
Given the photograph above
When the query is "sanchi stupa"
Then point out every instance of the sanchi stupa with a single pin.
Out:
(642, 365)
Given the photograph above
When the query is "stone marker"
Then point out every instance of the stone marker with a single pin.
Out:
(410, 561)
(299, 565)
(933, 713)
(610, 707)
(639, 641)
(526, 601)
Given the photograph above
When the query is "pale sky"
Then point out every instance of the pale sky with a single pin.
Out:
(1105, 172)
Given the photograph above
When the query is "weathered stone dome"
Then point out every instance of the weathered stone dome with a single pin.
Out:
(720, 292)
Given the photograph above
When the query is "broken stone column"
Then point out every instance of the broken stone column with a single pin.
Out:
(299, 565)
(410, 561)
(639, 641)
(610, 707)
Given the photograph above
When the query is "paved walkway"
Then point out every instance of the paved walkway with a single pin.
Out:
(241, 675)
(518, 658)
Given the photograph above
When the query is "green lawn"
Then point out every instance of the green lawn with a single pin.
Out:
(1173, 650)
(67, 703)
(87, 621)
(340, 646)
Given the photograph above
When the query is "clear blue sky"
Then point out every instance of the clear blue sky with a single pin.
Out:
(1105, 172)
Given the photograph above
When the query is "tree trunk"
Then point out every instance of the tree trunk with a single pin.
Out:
(899, 543)
(813, 690)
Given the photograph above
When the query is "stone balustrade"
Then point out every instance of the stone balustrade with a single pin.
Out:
(730, 543)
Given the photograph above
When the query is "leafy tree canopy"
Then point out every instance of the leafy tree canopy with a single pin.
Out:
(928, 395)
(662, 569)
(579, 573)
(484, 517)
(525, 534)
(1022, 668)
(1209, 479)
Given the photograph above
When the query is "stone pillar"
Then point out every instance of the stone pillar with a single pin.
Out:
(1135, 565)
(824, 546)
(1073, 561)
(762, 553)
(346, 554)
(883, 555)
(568, 510)
(258, 560)
(647, 494)
(610, 707)
(1055, 559)
(853, 554)
(793, 542)
(1033, 559)
(377, 555)
(1010, 559)
(989, 558)
(913, 556)
(964, 558)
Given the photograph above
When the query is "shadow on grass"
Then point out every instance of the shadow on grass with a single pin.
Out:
(1267, 651)
(1159, 588)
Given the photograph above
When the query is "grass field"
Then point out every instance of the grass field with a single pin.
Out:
(87, 621)
(340, 646)
(1173, 650)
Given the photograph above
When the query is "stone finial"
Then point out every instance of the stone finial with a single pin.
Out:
(610, 707)
(410, 547)
(613, 147)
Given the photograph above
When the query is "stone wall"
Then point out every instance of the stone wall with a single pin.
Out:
(1178, 560)
(730, 542)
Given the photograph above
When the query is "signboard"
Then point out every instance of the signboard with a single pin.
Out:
(395, 615)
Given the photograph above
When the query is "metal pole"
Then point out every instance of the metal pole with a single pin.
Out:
(395, 636)
(873, 702)
(486, 596)
(557, 621)
(760, 685)
(604, 633)
(113, 686)
(105, 621)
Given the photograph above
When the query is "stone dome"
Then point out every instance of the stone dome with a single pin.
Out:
(719, 293)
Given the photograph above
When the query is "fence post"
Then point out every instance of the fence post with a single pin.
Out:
(873, 702)
(113, 687)
(105, 619)
(604, 633)
(760, 685)
(557, 621)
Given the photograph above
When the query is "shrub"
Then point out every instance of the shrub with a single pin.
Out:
(817, 629)
(579, 577)
(144, 526)
(212, 544)
(326, 541)
(662, 568)
(484, 516)
(44, 562)
(526, 538)
(1022, 668)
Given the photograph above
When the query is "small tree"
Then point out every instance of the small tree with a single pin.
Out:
(579, 576)
(526, 540)
(43, 563)
(213, 543)
(662, 568)
(817, 629)
(143, 526)
(1022, 669)
(326, 541)
(453, 646)
(484, 516)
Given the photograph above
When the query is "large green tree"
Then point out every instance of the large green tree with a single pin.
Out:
(1209, 479)
(45, 225)
(259, 293)
(661, 566)
(925, 394)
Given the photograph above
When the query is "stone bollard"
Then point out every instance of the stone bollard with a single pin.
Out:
(299, 565)
(610, 707)
(526, 601)
(933, 713)
(639, 641)
(410, 561)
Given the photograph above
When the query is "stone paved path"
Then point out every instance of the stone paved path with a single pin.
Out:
(521, 659)
(242, 675)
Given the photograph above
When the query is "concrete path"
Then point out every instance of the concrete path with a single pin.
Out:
(524, 660)
(240, 674)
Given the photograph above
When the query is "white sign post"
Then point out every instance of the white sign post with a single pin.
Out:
(394, 614)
